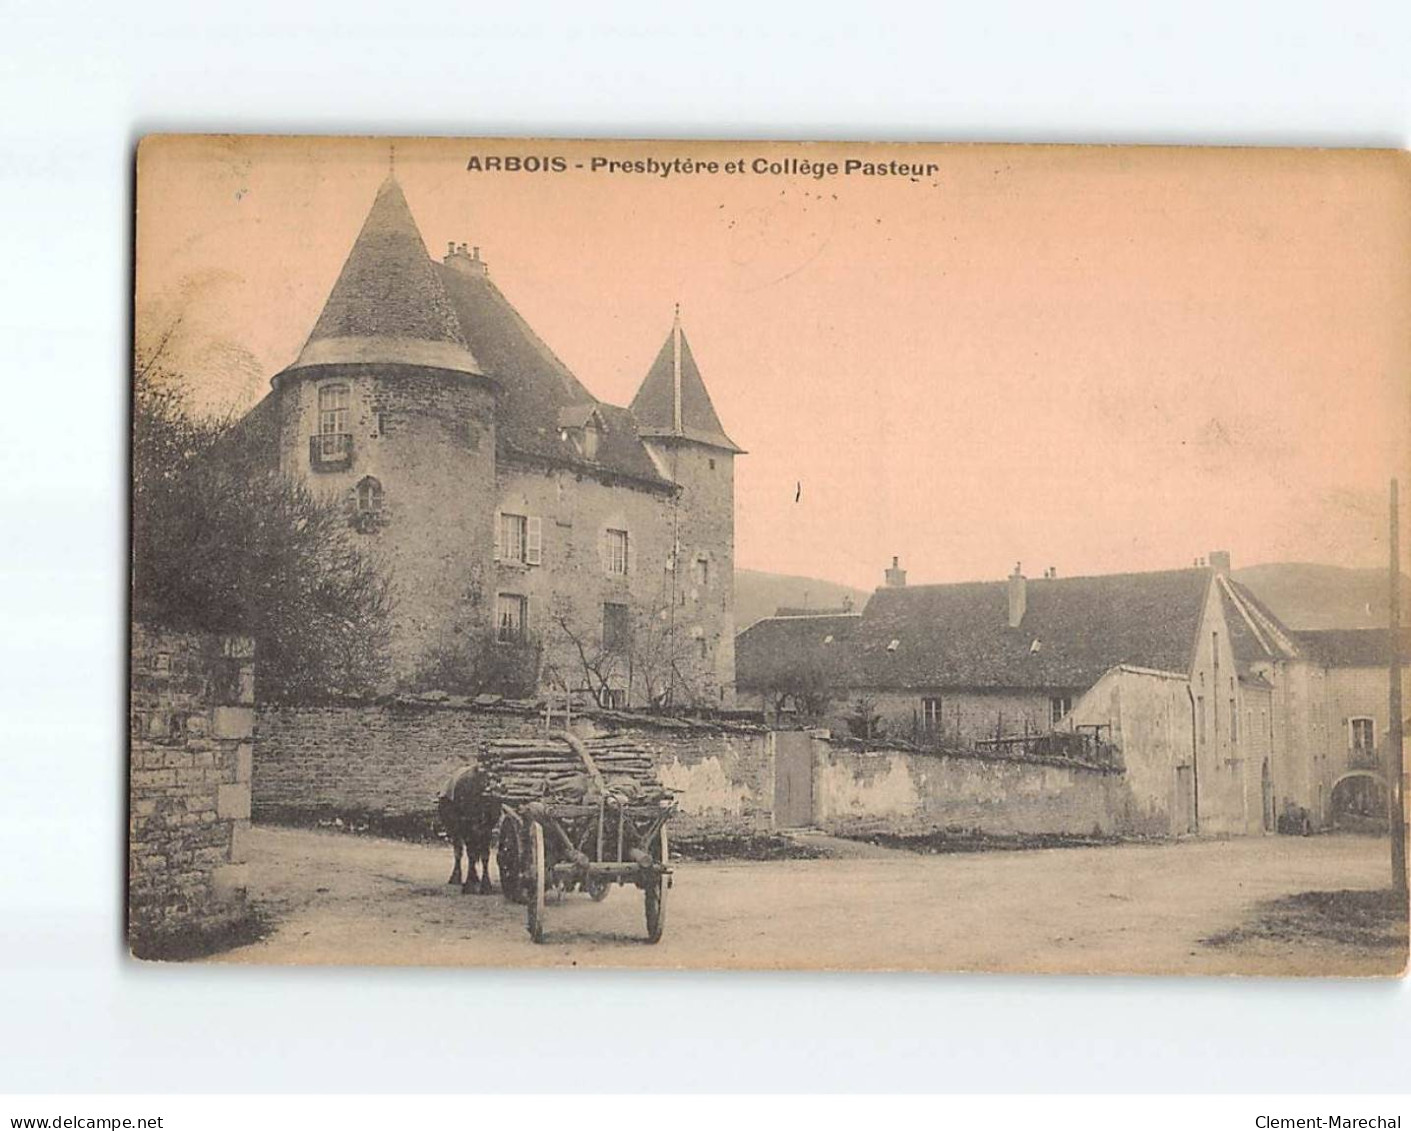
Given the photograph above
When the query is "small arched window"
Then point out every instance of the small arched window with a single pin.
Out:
(369, 496)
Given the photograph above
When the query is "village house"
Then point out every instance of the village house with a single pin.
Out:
(1349, 768)
(1222, 717)
(522, 519)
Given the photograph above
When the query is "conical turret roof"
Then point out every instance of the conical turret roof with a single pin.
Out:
(388, 304)
(657, 409)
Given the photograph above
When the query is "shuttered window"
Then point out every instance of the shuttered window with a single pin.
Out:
(519, 538)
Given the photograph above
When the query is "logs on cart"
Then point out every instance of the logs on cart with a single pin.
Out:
(549, 769)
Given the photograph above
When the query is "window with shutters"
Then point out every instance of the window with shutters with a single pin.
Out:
(511, 618)
(617, 628)
(615, 552)
(1058, 706)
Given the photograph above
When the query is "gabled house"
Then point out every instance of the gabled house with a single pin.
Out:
(1349, 768)
(1180, 669)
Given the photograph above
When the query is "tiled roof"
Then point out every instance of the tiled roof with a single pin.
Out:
(1255, 632)
(1353, 647)
(388, 304)
(654, 406)
(537, 390)
(780, 646)
(1073, 630)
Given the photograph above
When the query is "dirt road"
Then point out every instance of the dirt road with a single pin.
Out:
(334, 898)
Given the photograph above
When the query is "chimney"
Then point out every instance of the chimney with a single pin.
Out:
(1018, 596)
(896, 576)
(461, 257)
(1220, 561)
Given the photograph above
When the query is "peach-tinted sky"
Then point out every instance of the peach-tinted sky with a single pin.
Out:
(1097, 359)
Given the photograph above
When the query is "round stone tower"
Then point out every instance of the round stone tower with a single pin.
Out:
(387, 410)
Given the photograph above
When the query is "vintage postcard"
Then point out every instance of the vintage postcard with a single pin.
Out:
(764, 555)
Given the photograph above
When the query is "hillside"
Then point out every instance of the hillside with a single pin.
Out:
(1301, 594)
(1305, 595)
(759, 594)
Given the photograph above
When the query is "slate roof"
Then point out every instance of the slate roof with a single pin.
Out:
(1352, 647)
(537, 390)
(654, 406)
(388, 304)
(393, 303)
(779, 646)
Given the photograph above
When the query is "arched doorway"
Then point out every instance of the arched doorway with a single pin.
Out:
(1361, 802)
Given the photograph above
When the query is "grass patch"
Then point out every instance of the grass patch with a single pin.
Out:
(1367, 920)
(188, 943)
(742, 846)
(940, 842)
(422, 828)
(416, 828)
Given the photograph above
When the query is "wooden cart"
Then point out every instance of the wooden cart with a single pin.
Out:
(593, 826)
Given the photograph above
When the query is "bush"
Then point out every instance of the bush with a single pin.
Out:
(221, 543)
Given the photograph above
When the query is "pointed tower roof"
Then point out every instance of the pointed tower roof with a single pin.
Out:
(388, 304)
(672, 401)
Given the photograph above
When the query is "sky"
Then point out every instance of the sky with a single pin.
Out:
(1088, 358)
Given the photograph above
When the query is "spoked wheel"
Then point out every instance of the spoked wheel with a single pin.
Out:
(538, 870)
(598, 890)
(656, 896)
(507, 859)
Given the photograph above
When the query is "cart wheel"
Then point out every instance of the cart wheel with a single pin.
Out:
(508, 859)
(537, 870)
(656, 898)
(598, 890)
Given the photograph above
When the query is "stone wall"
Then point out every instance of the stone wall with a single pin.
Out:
(190, 771)
(387, 762)
(901, 792)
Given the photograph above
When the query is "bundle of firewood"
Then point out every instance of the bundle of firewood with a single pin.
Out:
(529, 769)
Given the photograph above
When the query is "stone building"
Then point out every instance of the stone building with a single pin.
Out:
(1342, 674)
(1224, 718)
(528, 526)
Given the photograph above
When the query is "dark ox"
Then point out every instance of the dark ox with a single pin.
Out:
(468, 814)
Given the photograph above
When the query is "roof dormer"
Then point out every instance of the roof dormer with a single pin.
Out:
(582, 425)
